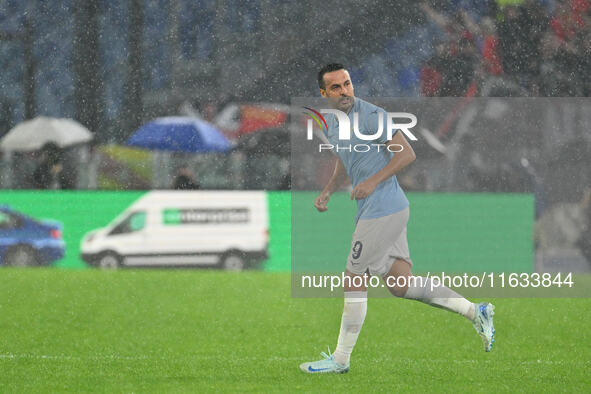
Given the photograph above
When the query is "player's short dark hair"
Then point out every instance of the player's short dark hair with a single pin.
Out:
(327, 69)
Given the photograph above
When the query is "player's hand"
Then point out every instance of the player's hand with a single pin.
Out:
(363, 190)
(321, 201)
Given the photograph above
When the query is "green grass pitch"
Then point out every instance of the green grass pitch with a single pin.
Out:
(204, 330)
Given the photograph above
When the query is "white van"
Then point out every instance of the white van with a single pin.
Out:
(229, 230)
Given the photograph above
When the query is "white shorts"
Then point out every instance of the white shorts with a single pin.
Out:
(377, 243)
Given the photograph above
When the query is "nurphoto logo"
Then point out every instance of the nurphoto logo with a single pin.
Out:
(402, 121)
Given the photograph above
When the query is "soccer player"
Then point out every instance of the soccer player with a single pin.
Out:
(379, 241)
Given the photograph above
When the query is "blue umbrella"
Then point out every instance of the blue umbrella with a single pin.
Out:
(180, 134)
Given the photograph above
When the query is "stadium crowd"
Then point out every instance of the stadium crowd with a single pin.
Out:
(526, 47)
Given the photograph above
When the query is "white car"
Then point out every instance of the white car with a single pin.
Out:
(229, 230)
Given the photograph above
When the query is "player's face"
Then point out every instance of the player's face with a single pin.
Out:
(338, 89)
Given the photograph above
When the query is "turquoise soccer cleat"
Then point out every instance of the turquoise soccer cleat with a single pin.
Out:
(483, 323)
(327, 365)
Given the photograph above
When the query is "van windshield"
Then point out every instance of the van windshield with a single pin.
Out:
(136, 221)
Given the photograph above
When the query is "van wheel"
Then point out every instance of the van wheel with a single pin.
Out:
(109, 261)
(21, 256)
(233, 262)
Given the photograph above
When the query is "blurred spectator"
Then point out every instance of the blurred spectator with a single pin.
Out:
(453, 27)
(519, 36)
(185, 180)
(48, 170)
(285, 182)
(431, 75)
(69, 173)
(460, 71)
(568, 19)
(451, 70)
(546, 53)
(565, 225)
(559, 61)
(490, 47)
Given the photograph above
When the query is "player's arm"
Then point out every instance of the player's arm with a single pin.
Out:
(398, 162)
(338, 177)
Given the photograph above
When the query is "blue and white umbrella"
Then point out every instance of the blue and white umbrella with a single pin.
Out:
(180, 134)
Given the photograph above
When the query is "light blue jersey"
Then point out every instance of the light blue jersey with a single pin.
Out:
(388, 197)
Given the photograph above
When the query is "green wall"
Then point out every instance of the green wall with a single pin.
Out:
(78, 211)
(456, 232)
(446, 232)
